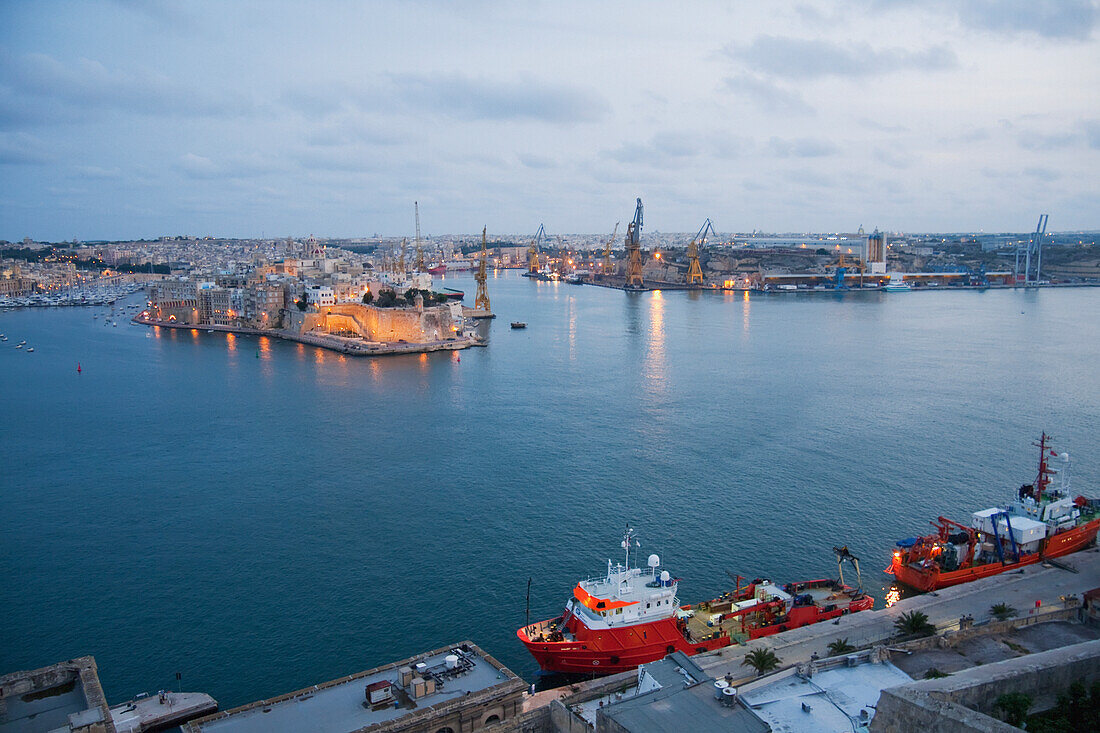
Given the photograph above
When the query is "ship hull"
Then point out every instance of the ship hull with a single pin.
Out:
(1060, 544)
(615, 650)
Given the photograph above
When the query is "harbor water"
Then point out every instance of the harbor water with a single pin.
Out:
(260, 516)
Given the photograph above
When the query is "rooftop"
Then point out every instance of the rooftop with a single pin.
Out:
(340, 706)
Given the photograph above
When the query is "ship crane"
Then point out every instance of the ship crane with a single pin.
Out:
(842, 554)
(401, 261)
(481, 300)
(634, 250)
(695, 273)
(419, 246)
(533, 265)
(607, 251)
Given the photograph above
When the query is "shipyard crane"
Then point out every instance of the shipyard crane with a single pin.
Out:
(401, 261)
(481, 300)
(1034, 244)
(695, 273)
(419, 247)
(607, 251)
(634, 250)
(533, 251)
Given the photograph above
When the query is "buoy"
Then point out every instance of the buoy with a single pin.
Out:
(78, 367)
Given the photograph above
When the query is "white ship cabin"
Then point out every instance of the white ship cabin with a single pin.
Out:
(625, 596)
(1027, 532)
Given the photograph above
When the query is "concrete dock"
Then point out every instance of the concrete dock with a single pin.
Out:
(1034, 590)
(157, 712)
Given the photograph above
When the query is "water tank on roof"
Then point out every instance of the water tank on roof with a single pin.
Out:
(451, 660)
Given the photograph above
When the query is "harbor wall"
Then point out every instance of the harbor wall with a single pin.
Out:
(964, 701)
(414, 325)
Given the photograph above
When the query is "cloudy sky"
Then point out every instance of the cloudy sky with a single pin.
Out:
(137, 119)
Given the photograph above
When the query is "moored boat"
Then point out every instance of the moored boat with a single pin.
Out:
(632, 616)
(1041, 522)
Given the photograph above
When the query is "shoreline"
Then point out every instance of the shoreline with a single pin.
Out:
(351, 347)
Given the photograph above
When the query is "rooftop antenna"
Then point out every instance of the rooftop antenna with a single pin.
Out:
(628, 539)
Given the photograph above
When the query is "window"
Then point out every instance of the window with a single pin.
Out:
(446, 729)
(491, 719)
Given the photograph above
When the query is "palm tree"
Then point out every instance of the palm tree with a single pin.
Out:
(914, 623)
(762, 660)
(840, 646)
(1002, 611)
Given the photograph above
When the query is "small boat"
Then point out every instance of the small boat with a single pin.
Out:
(897, 284)
(30, 349)
(519, 324)
(19, 346)
(210, 330)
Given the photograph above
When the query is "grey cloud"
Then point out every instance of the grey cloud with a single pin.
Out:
(805, 147)
(1092, 132)
(876, 125)
(198, 166)
(664, 148)
(97, 173)
(483, 99)
(538, 162)
(1043, 174)
(1042, 141)
(88, 84)
(1048, 18)
(797, 58)
(893, 158)
(767, 96)
(22, 149)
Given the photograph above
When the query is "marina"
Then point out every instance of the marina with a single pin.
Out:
(320, 421)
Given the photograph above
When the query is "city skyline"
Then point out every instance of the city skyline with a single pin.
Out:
(125, 121)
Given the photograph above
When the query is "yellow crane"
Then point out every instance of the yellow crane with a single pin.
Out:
(533, 265)
(695, 273)
(401, 261)
(607, 251)
(481, 300)
(634, 250)
(419, 247)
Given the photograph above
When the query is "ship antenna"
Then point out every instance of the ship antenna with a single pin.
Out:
(1044, 471)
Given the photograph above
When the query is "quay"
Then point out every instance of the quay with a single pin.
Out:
(341, 344)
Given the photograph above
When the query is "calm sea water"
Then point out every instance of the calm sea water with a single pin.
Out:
(262, 516)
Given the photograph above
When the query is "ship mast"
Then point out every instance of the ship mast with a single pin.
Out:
(628, 536)
(1043, 480)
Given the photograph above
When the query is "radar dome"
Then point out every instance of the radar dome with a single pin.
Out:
(1064, 457)
(665, 576)
(654, 561)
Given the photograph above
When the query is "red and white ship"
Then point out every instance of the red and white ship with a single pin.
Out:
(1042, 522)
(632, 616)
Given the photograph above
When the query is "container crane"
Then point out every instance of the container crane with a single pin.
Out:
(695, 272)
(634, 250)
(607, 251)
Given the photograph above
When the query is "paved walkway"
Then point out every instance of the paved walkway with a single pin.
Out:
(1018, 588)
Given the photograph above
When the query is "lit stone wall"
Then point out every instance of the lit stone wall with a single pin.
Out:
(379, 324)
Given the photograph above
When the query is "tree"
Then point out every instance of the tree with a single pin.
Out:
(410, 295)
(914, 623)
(1014, 705)
(303, 302)
(762, 660)
(1002, 611)
(387, 298)
(368, 297)
(840, 646)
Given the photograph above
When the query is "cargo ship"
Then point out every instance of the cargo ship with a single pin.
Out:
(632, 616)
(1041, 522)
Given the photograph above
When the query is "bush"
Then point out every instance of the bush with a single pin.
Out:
(1002, 611)
(368, 298)
(1014, 706)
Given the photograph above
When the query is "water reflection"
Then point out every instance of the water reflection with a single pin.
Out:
(745, 313)
(656, 368)
(231, 342)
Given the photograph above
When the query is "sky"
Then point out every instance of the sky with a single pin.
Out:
(131, 119)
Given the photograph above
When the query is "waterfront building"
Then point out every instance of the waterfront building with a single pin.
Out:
(456, 689)
(876, 253)
(215, 305)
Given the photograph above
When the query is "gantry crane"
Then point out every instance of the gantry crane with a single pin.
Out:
(634, 250)
(695, 273)
(607, 251)
(481, 300)
(419, 247)
(533, 265)
(401, 260)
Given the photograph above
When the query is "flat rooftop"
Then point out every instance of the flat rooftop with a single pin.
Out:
(340, 706)
(838, 699)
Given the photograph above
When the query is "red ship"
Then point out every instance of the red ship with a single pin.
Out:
(631, 616)
(440, 269)
(1042, 522)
